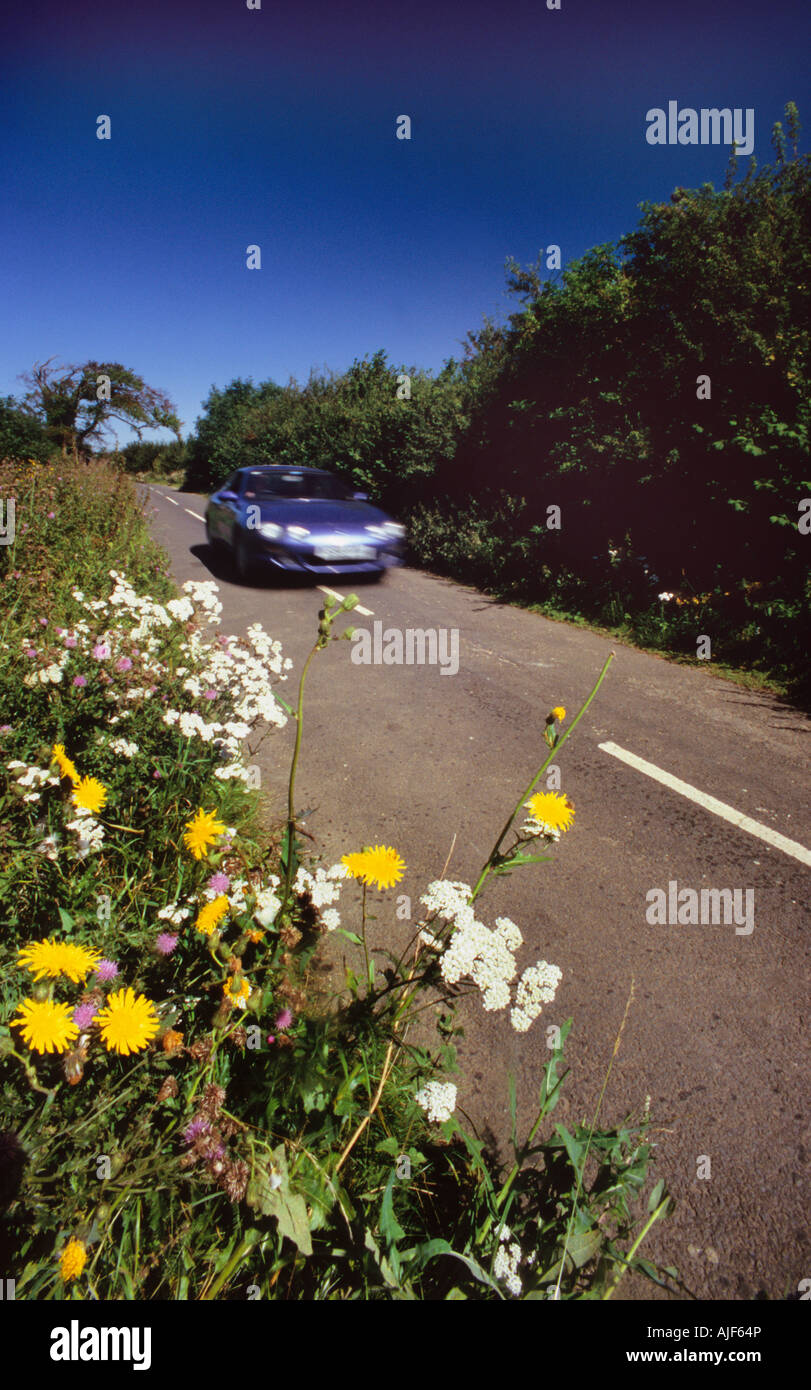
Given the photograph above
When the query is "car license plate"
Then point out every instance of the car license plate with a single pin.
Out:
(345, 552)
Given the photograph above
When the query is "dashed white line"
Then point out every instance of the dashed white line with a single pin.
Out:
(710, 803)
(191, 513)
(170, 499)
(366, 612)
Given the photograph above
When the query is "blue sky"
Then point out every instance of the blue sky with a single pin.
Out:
(276, 127)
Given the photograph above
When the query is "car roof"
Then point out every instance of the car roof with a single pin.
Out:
(284, 468)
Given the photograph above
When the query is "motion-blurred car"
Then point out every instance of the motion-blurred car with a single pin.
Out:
(301, 519)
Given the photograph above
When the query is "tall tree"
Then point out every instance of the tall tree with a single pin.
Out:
(76, 403)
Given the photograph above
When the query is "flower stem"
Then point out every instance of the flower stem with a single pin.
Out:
(493, 855)
(291, 787)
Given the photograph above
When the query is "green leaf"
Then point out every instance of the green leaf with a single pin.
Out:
(656, 1195)
(573, 1149)
(585, 1245)
(269, 1190)
(390, 1228)
(66, 919)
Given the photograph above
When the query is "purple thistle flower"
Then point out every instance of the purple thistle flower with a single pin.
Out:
(165, 943)
(51, 516)
(43, 622)
(83, 1015)
(220, 883)
(211, 694)
(32, 651)
(123, 664)
(195, 1129)
(284, 1020)
(70, 642)
(107, 970)
(80, 681)
(101, 651)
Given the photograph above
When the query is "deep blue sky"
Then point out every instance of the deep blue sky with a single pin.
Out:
(277, 127)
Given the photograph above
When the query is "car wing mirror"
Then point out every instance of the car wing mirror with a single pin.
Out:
(360, 497)
(228, 496)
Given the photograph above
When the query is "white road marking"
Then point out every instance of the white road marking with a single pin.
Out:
(191, 513)
(367, 612)
(169, 499)
(710, 803)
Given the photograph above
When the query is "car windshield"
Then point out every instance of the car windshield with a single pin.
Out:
(297, 485)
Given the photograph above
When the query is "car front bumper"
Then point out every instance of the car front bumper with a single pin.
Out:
(303, 558)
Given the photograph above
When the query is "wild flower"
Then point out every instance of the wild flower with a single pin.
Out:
(202, 831)
(128, 1023)
(72, 1260)
(537, 986)
(107, 970)
(89, 794)
(219, 882)
(438, 1099)
(46, 1025)
(165, 943)
(551, 809)
(212, 914)
(381, 866)
(49, 959)
(83, 1016)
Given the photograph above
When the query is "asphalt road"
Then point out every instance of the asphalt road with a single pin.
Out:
(406, 756)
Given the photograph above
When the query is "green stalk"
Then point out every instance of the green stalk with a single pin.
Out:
(552, 753)
(660, 1211)
(291, 787)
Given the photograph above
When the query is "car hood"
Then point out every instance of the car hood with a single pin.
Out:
(321, 514)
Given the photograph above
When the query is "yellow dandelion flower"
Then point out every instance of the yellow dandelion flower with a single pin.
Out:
(237, 994)
(67, 767)
(558, 713)
(52, 958)
(381, 867)
(552, 809)
(46, 1026)
(89, 794)
(73, 1261)
(128, 1023)
(354, 864)
(212, 914)
(255, 934)
(201, 832)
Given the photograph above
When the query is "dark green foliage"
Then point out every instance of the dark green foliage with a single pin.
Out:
(22, 436)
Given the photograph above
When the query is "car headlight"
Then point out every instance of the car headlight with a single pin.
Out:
(270, 530)
(298, 531)
(378, 531)
(393, 528)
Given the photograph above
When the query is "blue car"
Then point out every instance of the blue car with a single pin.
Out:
(301, 519)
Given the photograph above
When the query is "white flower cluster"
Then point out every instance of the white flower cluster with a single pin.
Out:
(267, 903)
(52, 673)
(324, 887)
(89, 834)
(174, 914)
(32, 777)
(438, 1099)
(537, 986)
(484, 955)
(506, 1262)
(120, 745)
(487, 956)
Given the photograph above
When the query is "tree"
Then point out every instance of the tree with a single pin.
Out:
(75, 404)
